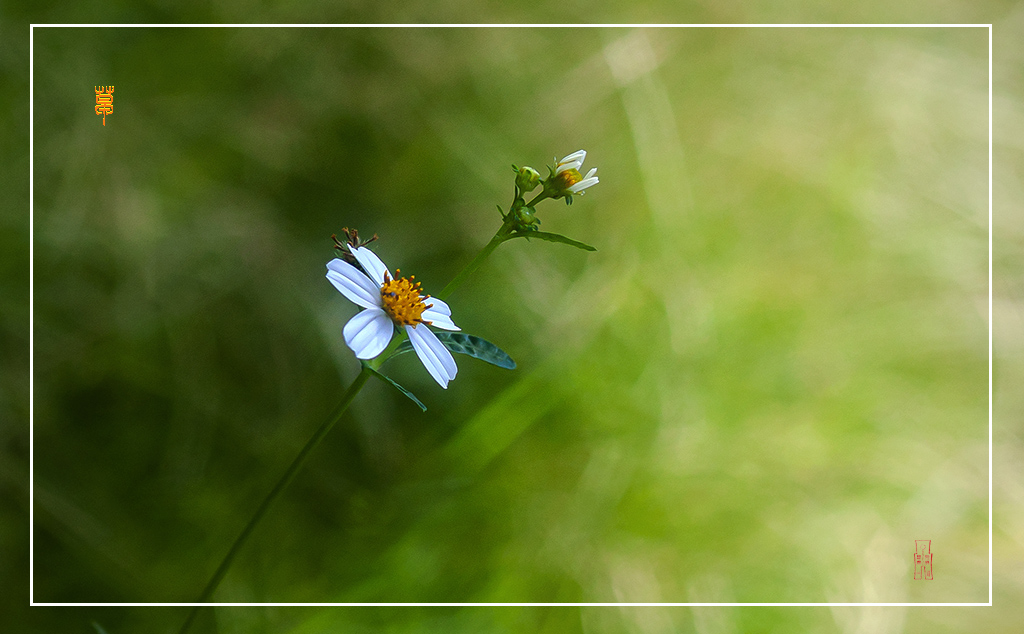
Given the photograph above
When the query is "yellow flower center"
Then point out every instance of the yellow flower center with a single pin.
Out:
(568, 178)
(401, 300)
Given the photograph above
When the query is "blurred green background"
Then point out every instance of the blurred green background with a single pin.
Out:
(769, 380)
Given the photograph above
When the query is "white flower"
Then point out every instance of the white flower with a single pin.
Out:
(567, 175)
(389, 302)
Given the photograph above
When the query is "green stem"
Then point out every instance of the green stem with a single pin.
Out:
(539, 197)
(222, 569)
(504, 233)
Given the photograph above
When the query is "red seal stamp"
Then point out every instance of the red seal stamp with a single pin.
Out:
(923, 559)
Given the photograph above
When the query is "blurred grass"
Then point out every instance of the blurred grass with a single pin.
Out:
(768, 381)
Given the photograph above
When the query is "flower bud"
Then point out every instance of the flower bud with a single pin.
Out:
(526, 219)
(527, 179)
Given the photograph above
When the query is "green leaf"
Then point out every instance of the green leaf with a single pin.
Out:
(398, 387)
(98, 627)
(553, 237)
(471, 345)
(477, 347)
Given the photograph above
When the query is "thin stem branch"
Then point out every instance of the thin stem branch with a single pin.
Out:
(285, 480)
(539, 197)
(504, 233)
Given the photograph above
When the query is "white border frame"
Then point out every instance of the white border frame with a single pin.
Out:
(32, 278)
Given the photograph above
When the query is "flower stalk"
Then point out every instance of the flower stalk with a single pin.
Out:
(504, 233)
(285, 480)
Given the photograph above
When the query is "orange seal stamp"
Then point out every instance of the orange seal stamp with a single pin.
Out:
(104, 101)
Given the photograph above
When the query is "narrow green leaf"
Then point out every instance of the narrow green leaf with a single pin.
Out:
(553, 237)
(390, 381)
(477, 347)
(461, 343)
(99, 628)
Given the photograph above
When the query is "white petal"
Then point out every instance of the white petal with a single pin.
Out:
(572, 162)
(578, 155)
(438, 306)
(439, 314)
(438, 319)
(353, 284)
(368, 333)
(435, 357)
(583, 184)
(371, 264)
